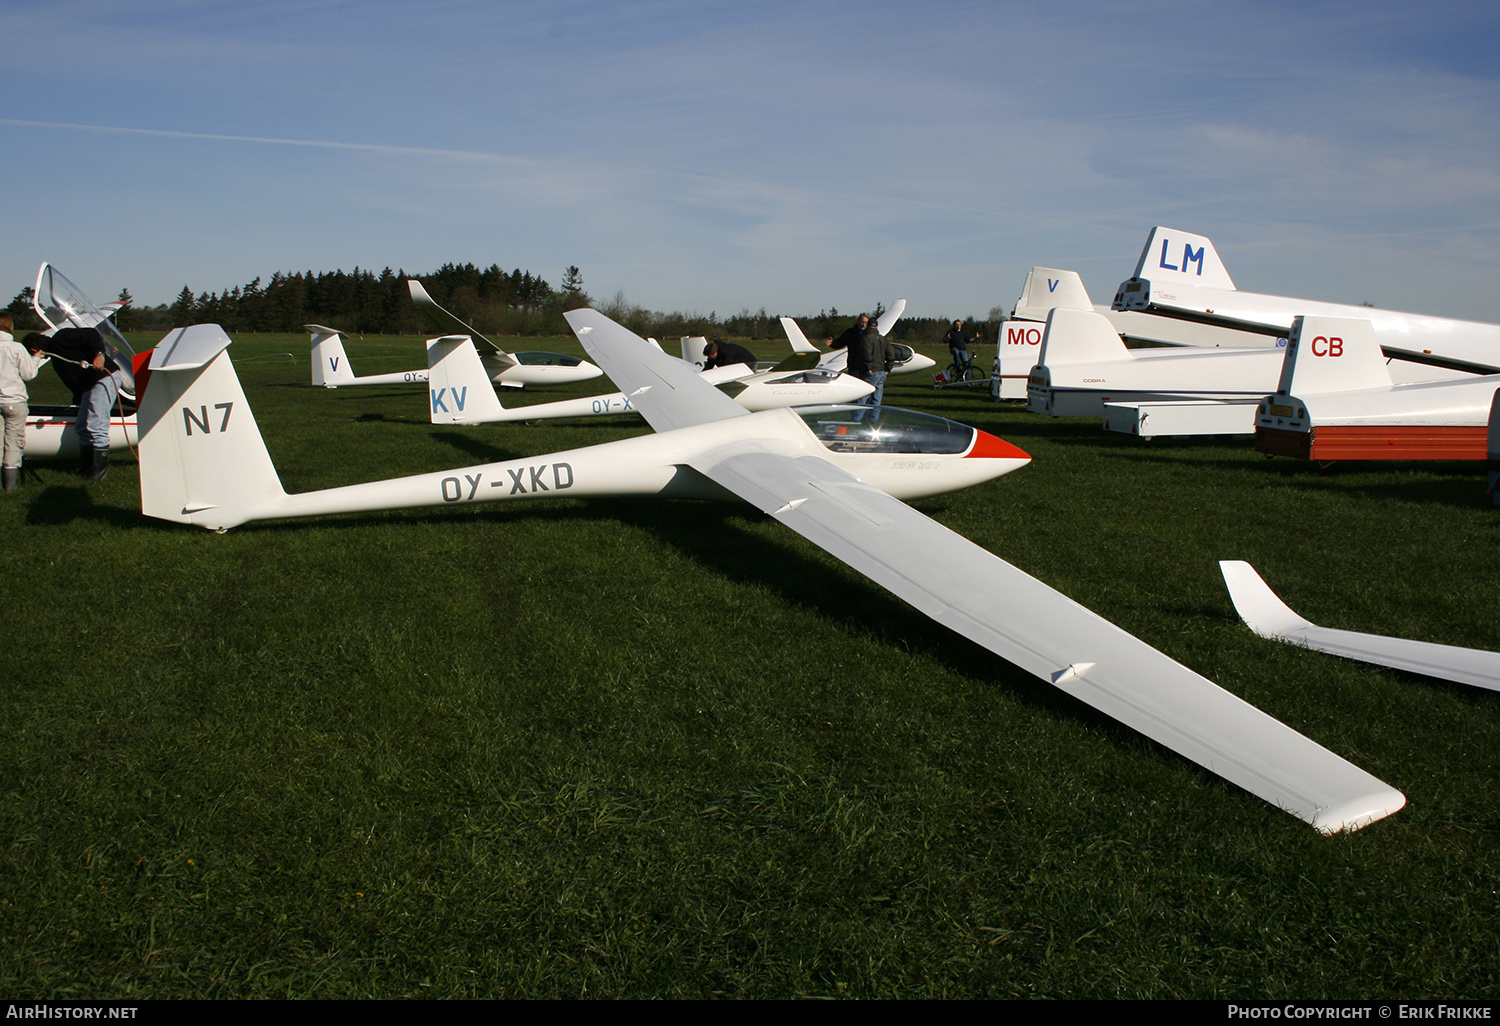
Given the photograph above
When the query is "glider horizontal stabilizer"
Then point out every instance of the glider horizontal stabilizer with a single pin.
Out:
(1268, 616)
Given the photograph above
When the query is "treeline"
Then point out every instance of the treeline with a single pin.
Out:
(363, 302)
(825, 324)
(494, 301)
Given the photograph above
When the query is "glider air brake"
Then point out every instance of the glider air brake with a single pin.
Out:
(1180, 275)
(458, 392)
(203, 462)
(1268, 616)
(1336, 400)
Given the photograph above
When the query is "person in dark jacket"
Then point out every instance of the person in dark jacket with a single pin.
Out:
(85, 366)
(958, 344)
(851, 336)
(871, 359)
(722, 354)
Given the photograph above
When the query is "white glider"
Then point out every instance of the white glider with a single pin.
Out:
(908, 360)
(330, 364)
(1083, 364)
(458, 392)
(1336, 400)
(1179, 274)
(1268, 616)
(511, 370)
(203, 462)
(1050, 288)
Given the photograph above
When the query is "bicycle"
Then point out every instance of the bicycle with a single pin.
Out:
(973, 372)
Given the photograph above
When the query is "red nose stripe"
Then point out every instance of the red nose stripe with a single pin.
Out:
(987, 446)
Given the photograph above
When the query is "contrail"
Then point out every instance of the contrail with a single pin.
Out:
(321, 144)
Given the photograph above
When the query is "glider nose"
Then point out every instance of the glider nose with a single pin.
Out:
(988, 447)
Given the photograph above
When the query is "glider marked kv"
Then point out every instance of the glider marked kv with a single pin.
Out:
(459, 393)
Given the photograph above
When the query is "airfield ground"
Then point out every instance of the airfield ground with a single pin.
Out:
(638, 748)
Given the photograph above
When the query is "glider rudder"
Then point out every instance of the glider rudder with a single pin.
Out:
(1331, 354)
(330, 364)
(458, 386)
(203, 460)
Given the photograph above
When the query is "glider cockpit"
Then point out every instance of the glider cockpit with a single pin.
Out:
(540, 359)
(885, 429)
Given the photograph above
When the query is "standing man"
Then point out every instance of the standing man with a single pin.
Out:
(851, 334)
(871, 359)
(17, 366)
(958, 345)
(86, 367)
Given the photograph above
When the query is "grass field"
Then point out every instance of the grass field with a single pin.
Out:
(656, 749)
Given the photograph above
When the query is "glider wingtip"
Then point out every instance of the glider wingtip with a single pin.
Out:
(1358, 813)
(1258, 606)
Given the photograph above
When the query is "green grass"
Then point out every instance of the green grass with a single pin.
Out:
(638, 748)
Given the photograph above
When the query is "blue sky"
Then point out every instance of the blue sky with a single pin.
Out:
(714, 156)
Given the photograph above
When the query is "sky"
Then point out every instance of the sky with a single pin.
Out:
(792, 156)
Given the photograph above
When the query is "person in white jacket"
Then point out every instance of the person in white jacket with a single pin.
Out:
(17, 366)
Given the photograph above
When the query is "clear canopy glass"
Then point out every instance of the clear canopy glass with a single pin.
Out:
(546, 359)
(885, 429)
(63, 305)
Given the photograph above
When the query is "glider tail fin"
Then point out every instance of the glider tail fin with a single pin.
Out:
(692, 349)
(330, 364)
(794, 335)
(1079, 336)
(458, 384)
(203, 460)
(1332, 354)
(1048, 287)
(1177, 257)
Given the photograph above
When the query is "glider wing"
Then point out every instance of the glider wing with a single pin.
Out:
(1268, 616)
(977, 594)
(445, 323)
(668, 393)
